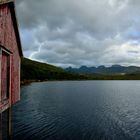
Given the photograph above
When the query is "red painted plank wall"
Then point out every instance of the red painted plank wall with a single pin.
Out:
(8, 40)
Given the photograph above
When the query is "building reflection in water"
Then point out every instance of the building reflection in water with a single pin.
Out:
(5, 125)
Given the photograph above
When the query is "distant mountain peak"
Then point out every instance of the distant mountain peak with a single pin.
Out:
(102, 66)
(83, 66)
(116, 65)
(114, 69)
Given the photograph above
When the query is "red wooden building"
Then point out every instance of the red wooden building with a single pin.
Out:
(10, 55)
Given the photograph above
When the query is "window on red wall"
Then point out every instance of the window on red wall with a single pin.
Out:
(5, 75)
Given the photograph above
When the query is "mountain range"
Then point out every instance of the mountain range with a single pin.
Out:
(114, 69)
(37, 71)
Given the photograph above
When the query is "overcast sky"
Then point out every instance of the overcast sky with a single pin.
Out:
(80, 32)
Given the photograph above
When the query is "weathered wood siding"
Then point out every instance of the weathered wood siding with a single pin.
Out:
(8, 41)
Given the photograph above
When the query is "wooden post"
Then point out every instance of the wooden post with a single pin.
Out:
(10, 108)
(0, 126)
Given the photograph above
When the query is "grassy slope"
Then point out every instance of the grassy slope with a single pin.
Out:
(33, 70)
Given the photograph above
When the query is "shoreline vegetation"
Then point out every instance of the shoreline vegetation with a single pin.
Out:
(33, 71)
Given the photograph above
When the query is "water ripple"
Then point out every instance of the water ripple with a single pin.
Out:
(82, 110)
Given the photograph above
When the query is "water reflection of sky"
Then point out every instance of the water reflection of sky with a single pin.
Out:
(78, 109)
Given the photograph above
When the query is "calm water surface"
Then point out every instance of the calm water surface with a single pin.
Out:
(78, 110)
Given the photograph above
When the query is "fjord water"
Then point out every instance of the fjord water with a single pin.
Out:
(78, 110)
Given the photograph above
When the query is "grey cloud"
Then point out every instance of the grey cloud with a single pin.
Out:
(69, 32)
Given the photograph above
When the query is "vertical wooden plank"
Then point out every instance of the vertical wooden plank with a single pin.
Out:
(10, 96)
(0, 72)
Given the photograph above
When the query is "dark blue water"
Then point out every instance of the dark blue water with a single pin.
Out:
(78, 110)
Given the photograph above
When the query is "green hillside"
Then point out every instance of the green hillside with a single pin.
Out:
(37, 71)
(33, 70)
